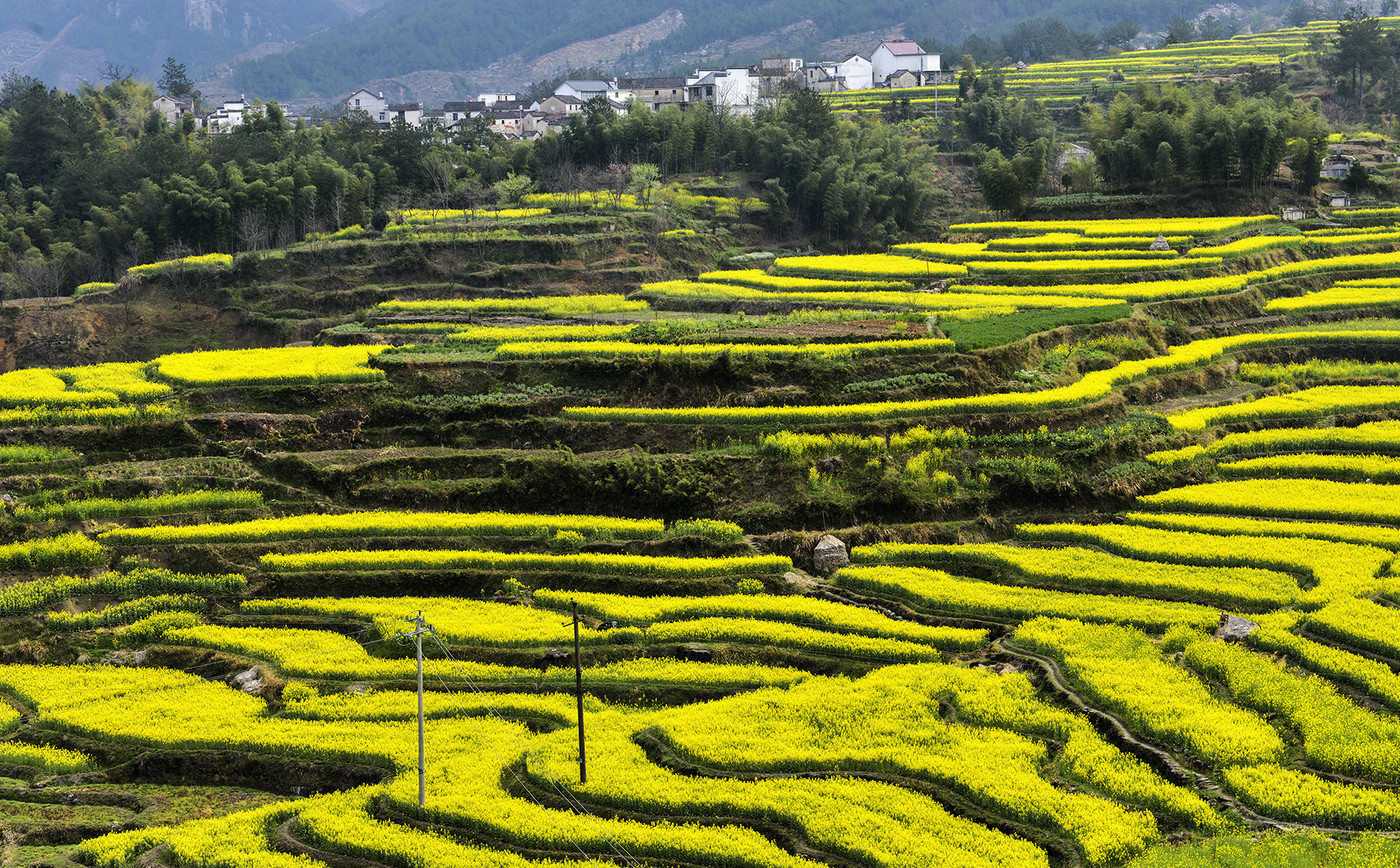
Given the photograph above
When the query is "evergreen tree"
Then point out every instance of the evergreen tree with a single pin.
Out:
(175, 82)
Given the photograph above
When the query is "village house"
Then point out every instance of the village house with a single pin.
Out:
(410, 113)
(733, 87)
(821, 77)
(173, 108)
(513, 105)
(225, 117)
(561, 105)
(518, 123)
(652, 92)
(373, 104)
(740, 89)
(583, 90)
(910, 78)
(453, 113)
(853, 73)
(779, 65)
(891, 58)
(1337, 166)
(856, 73)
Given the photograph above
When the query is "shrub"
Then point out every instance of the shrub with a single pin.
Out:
(751, 587)
(706, 528)
(566, 542)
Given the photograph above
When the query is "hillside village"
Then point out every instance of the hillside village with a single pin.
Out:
(774, 468)
(741, 89)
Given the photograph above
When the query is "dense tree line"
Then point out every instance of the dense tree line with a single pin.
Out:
(96, 181)
(1164, 136)
(1364, 61)
(838, 178)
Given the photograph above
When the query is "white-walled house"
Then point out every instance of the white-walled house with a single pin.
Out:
(453, 113)
(583, 90)
(173, 108)
(734, 87)
(853, 73)
(225, 117)
(892, 57)
(374, 104)
(856, 73)
(410, 113)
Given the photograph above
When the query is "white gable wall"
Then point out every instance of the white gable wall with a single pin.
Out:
(857, 72)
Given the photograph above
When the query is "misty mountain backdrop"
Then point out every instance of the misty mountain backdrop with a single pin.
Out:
(316, 51)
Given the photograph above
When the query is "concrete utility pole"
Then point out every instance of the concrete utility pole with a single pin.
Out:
(419, 630)
(578, 691)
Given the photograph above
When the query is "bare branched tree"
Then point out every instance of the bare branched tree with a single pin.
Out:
(113, 71)
(252, 230)
(38, 277)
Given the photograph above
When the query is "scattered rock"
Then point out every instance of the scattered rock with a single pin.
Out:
(250, 681)
(829, 555)
(554, 657)
(829, 465)
(341, 422)
(126, 658)
(1234, 628)
(1160, 244)
(799, 581)
(696, 653)
(1001, 668)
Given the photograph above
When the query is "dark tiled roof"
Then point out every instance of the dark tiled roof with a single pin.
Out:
(650, 83)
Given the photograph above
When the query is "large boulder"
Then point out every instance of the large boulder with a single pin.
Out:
(829, 556)
(250, 681)
(1234, 628)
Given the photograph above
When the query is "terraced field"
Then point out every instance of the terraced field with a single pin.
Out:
(213, 559)
(1066, 83)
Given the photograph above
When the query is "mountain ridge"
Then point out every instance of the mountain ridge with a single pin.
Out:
(434, 50)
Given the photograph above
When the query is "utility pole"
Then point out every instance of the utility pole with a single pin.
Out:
(419, 630)
(578, 691)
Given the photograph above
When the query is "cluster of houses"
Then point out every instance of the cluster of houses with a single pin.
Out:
(894, 64)
(228, 115)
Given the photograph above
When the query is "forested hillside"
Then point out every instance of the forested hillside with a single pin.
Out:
(454, 36)
(66, 41)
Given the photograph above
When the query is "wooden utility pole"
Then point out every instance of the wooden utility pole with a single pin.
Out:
(578, 691)
(419, 629)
